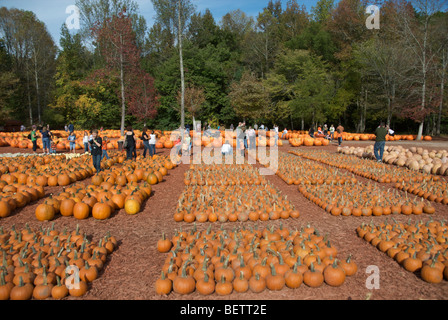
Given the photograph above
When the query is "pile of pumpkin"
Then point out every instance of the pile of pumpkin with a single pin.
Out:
(34, 263)
(360, 199)
(435, 162)
(233, 203)
(432, 190)
(308, 141)
(245, 260)
(224, 174)
(296, 170)
(379, 172)
(421, 248)
(98, 201)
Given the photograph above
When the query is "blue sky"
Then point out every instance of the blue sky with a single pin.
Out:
(53, 12)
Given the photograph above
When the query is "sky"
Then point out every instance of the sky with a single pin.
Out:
(53, 12)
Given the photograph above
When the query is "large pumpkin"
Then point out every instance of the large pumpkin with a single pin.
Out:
(101, 211)
(44, 212)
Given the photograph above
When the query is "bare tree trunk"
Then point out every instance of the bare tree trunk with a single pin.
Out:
(123, 102)
(292, 125)
(29, 97)
(442, 87)
(182, 79)
(303, 124)
(36, 79)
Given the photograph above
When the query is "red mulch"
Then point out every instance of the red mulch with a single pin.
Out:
(133, 268)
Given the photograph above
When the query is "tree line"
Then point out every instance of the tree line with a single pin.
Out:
(290, 65)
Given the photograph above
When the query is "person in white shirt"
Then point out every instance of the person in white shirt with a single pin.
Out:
(276, 133)
(85, 141)
(251, 136)
(226, 148)
(152, 143)
(284, 133)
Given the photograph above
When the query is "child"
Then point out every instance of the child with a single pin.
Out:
(52, 147)
(85, 140)
(104, 148)
(72, 140)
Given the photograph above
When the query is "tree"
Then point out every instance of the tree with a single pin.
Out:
(8, 82)
(414, 25)
(300, 85)
(174, 15)
(95, 12)
(117, 44)
(194, 99)
(33, 52)
(249, 97)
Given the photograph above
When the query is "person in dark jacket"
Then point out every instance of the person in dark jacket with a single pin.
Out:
(46, 137)
(380, 141)
(130, 147)
(96, 150)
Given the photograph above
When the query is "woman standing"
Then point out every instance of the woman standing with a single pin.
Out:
(152, 143)
(145, 138)
(72, 141)
(130, 143)
(45, 140)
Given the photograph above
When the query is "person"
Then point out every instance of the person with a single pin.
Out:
(226, 148)
(95, 146)
(380, 141)
(152, 144)
(332, 129)
(22, 128)
(262, 127)
(186, 145)
(276, 134)
(231, 127)
(33, 138)
(46, 135)
(104, 148)
(52, 146)
(311, 132)
(71, 127)
(145, 139)
(66, 128)
(325, 129)
(72, 140)
(178, 145)
(285, 132)
(130, 143)
(340, 130)
(319, 130)
(256, 126)
(252, 138)
(85, 140)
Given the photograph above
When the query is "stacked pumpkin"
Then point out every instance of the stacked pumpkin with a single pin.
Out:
(420, 248)
(435, 162)
(432, 190)
(363, 200)
(379, 172)
(296, 170)
(225, 174)
(243, 260)
(241, 202)
(35, 263)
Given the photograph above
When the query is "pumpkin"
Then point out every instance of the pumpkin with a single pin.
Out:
(334, 275)
(44, 212)
(101, 211)
(132, 206)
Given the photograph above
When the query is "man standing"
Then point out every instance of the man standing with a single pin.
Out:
(380, 141)
(339, 130)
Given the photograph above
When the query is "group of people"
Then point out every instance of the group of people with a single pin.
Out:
(130, 143)
(48, 143)
(331, 133)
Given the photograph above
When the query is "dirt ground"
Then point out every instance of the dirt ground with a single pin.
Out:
(131, 271)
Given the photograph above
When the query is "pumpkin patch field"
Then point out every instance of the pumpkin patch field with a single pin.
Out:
(156, 229)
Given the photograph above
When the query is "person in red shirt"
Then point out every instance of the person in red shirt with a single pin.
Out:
(104, 148)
